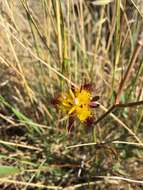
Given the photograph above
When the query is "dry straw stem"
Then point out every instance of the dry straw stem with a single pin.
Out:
(116, 179)
(38, 58)
(106, 178)
(59, 30)
(35, 185)
(7, 119)
(99, 30)
(28, 89)
(117, 41)
(112, 142)
(101, 2)
(11, 65)
(28, 11)
(19, 145)
(81, 21)
(120, 178)
(141, 14)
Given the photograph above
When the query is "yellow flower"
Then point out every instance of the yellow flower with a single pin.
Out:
(80, 105)
(77, 102)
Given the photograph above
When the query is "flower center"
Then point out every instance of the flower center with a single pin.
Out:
(76, 101)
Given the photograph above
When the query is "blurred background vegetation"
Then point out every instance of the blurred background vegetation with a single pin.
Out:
(47, 45)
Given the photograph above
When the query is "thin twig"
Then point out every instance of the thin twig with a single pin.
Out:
(109, 111)
(104, 115)
(131, 104)
(131, 64)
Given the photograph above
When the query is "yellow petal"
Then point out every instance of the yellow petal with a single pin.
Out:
(83, 113)
(72, 110)
(84, 97)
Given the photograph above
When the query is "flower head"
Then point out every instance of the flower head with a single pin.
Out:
(77, 103)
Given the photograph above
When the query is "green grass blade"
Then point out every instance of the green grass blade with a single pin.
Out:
(8, 170)
(22, 118)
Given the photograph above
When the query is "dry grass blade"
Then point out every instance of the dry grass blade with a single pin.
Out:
(7, 119)
(113, 142)
(101, 2)
(39, 59)
(121, 178)
(19, 145)
(34, 185)
(135, 5)
(106, 178)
